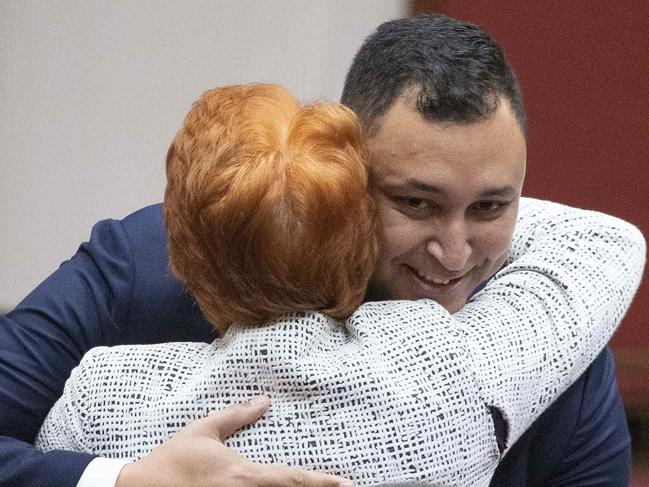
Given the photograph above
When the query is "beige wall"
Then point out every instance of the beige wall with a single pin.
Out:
(93, 92)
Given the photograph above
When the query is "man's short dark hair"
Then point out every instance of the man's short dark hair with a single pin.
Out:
(456, 70)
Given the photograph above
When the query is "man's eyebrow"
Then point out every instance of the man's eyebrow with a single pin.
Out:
(504, 191)
(422, 186)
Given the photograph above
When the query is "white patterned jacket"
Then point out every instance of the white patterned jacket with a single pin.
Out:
(401, 391)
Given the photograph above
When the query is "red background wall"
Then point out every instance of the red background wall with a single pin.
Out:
(584, 70)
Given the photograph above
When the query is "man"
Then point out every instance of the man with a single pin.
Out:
(446, 123)
(446, 128)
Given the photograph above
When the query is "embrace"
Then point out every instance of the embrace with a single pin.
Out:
(371, 267)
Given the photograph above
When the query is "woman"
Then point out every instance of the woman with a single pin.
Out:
(270, 223)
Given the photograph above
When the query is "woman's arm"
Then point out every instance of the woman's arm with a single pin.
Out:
(405, 379)
(543, 318)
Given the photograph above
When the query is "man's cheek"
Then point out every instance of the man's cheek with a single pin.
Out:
(498, 263)
(493, 254)
(496, 242)
(394, 237)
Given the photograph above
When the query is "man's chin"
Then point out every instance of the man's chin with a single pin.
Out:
(453, 307)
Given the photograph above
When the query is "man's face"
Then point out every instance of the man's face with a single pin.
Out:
(447, 195)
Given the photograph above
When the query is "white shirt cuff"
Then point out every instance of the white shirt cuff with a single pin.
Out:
(101, 472)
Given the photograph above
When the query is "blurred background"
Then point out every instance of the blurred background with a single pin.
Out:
(93, 93)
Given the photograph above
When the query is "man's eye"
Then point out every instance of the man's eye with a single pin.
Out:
(415, 207)
(416, 203)
(489, 206)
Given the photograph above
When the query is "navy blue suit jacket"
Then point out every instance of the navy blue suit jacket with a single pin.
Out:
(117, 290)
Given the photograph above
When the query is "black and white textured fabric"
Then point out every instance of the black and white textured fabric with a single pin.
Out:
(398, 393)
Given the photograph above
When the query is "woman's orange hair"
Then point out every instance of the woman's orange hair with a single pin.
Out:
(266, 206)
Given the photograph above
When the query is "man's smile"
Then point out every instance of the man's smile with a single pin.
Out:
(432, 283)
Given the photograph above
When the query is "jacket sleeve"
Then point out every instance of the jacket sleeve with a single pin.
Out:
(84, 304)
(539, 323)
(64, 428)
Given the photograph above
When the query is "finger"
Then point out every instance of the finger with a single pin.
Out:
(281, 476)
(226, 421)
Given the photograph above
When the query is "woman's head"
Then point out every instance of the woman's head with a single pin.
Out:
(266, 206)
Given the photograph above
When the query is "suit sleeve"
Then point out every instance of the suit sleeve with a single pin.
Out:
(598, 452)
(84, 304)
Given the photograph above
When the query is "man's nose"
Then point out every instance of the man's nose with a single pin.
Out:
(450, 247)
